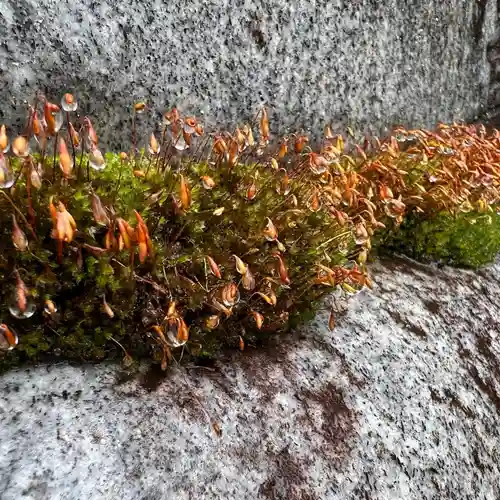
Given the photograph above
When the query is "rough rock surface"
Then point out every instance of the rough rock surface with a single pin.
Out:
(362, 63)
(401, 401)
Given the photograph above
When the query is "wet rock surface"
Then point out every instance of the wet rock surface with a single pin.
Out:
(363, 63)
(400, 401)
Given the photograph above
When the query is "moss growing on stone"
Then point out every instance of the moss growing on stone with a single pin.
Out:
(465, 239)
(221, 222)
(200, 242)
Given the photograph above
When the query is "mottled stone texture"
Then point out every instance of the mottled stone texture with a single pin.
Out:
(366, 63)
(400, 402)
(493, 54)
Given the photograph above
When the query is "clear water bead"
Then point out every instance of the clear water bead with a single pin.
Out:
(96, 159)
(59, 120)
(49, 307)
(20, 146)
(173, 328)
(69, 103)
(36, 179)
(188, 128)
(8, 338)
(6, 176)
(180, 144)
(172, 339)
(318, 169)
(25, 313)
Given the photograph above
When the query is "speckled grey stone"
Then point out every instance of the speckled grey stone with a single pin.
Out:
(365, 63)
(400, 402)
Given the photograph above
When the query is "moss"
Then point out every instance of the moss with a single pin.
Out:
(465, 239)
(79, 330)
(200, 247)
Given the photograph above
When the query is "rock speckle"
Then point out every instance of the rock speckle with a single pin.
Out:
(362, 63)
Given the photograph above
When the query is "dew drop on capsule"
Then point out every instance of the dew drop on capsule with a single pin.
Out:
(181, 144)
(49, 307)
(59, 119)
(6, 177)
(4, 140)
(8, 338)
(20, 146)
(96, 159)
(25, 313)
(69, 103)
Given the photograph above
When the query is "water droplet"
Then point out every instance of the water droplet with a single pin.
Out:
(49, 307)
(59, 119)
(8, 338)
(20, 146)
(4, 140)
(6, 177)
(26, 312)
(36, 179)
(446, 151)
(317, 169)
(188, 128)
(181, 144)
(139, 108)
(69, 103)
(96, 159)
(173, 340)
(361, 235)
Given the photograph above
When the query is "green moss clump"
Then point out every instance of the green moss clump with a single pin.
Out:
(466, 239)
(221, 222)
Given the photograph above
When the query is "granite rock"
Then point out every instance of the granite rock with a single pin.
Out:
(400, 401)
(364, 63)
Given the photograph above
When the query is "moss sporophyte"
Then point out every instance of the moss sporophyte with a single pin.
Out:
(204, 240)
